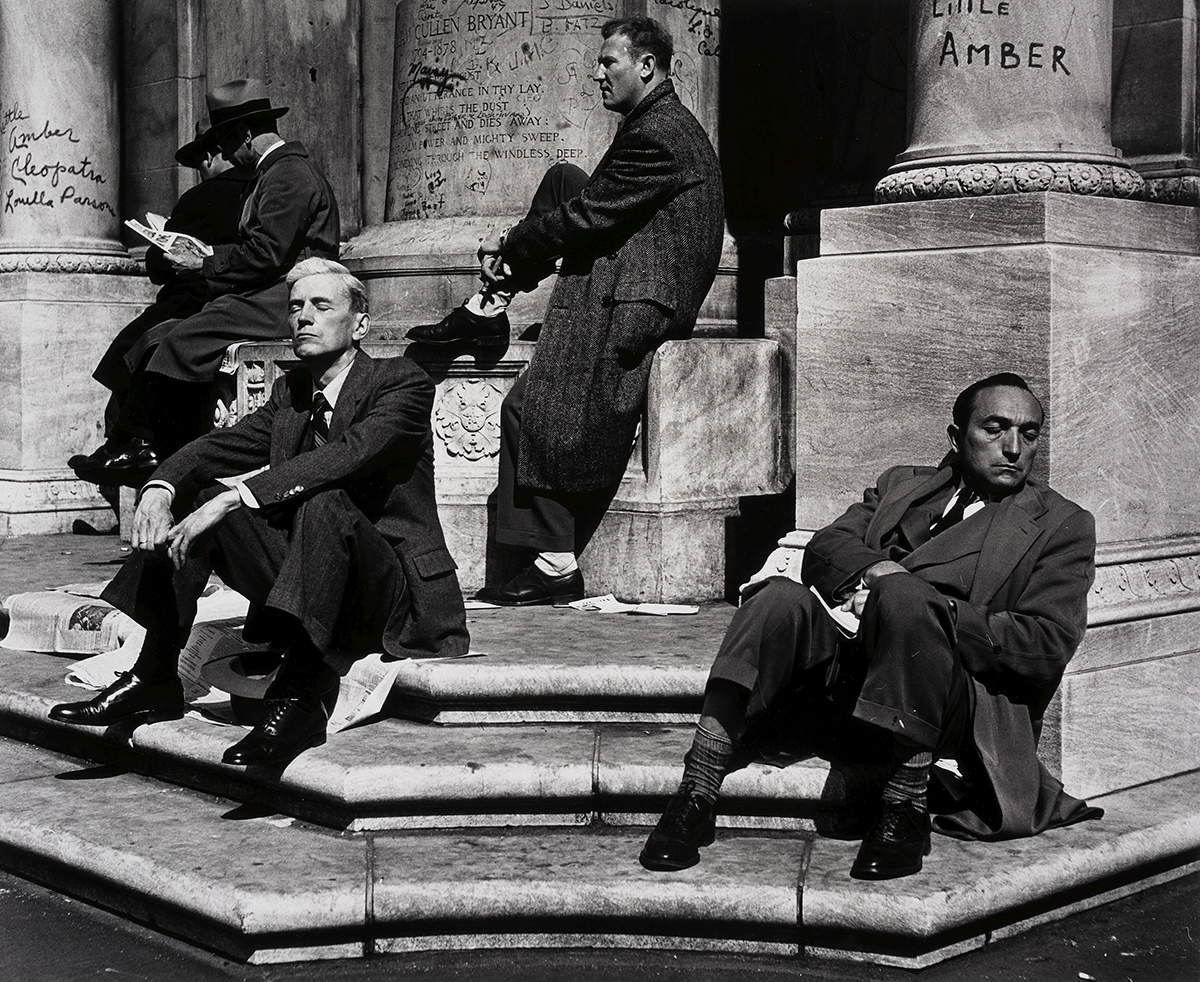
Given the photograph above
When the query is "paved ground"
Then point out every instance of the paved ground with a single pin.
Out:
(1151, 937)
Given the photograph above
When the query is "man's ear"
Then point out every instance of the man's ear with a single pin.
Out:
(649, 67)
(362, 328)
(955, 438)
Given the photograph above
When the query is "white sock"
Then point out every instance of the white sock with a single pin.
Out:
(488, 303)
(556, 563)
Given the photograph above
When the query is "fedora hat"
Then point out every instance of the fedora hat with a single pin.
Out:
(192, 153)
(238, 101)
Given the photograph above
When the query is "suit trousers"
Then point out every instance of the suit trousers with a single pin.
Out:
(901, 674)
(328, 573)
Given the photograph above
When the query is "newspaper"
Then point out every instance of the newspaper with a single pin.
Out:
(62, 622)
(846, 620)
(608, 604)
(179, 243)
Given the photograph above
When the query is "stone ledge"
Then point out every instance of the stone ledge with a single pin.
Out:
(398, 774)
(264, 889)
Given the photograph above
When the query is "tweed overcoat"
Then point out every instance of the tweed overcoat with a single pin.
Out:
(639, 248)
(289, 214)
(380, 452)
(1019, 573)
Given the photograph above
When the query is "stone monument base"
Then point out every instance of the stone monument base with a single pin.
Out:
(57, 316)
(1093, 301)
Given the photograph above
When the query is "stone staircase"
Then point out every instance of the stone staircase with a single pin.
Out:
(515, 820)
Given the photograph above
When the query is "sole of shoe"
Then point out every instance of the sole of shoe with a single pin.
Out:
(141, 715)
(490, 340)
(556, 601)
(888, 874)
(658, 865)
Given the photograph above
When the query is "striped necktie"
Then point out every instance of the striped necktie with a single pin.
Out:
(318, 425)
(966, 497)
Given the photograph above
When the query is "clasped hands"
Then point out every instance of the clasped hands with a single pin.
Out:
(155, 528)
(858, 600)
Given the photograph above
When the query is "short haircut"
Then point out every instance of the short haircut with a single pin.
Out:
(646, 36)
(317, 266)
(964, 405)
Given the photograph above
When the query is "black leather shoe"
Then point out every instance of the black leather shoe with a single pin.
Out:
(462, 325)
(688, 823)
(535, 587)
(93, 459)
(287, 730)
(896, 846)
(131, 463)
(127, 696)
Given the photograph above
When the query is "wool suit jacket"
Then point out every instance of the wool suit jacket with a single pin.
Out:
(380, 452)
(639, 248)
(289, 213)
(1019, 572)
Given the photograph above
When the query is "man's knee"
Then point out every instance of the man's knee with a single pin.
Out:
(328, 508)
(902, 594)
(780, 604)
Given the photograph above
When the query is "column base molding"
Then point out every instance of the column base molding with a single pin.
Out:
(1010, 177)
(44, 502)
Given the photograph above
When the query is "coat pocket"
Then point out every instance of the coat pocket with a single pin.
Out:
(436, 562)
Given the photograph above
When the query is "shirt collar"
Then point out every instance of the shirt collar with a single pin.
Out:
(334, 388)
(274, 146)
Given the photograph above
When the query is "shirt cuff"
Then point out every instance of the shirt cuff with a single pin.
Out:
(158, 484)
(247, 497)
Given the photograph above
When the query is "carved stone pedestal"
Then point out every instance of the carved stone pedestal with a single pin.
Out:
(57, 315)
(1092, 300)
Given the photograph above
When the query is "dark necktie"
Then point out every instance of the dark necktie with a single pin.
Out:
(317, 425)
(956, 513)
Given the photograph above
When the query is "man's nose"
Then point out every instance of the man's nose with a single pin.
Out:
(1011, 444)
(598, 74)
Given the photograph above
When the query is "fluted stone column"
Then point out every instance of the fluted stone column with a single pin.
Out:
(1009, 247)
(66, 282)
(1009, 96)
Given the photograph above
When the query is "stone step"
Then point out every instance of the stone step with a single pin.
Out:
(261, 887)
(396, 773)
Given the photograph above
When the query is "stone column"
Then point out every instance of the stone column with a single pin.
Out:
(65, 279)
(1009, 96)
(1087, 294)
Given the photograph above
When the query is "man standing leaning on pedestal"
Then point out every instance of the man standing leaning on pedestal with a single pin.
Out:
(639, 244)
(289, 214)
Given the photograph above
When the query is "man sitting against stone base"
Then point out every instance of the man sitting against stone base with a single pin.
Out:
(337, 543)
(971, 582)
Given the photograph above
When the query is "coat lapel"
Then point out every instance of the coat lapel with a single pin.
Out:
(1014, 530)
(353, 390)
(287, 436)
(893, 507)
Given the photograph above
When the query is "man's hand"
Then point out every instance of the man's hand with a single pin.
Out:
(493, 269)
(181, 261)
(183, 536)
(858, 600)
(152, 521)
(881, 569)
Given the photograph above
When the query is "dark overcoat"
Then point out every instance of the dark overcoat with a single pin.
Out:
(640, 248)
(1019, 573)
(289, 214)
(380, 452)
(211, 211)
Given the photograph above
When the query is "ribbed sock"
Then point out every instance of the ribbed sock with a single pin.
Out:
(556, 563)
(911, 780)
(705, 764)
(489, 303)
